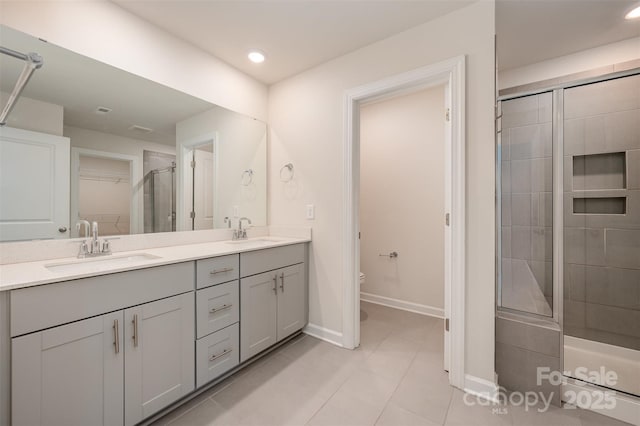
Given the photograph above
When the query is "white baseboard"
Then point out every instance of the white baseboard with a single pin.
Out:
(481, 388)
(325, 334)
(402, 304)
(626, 409)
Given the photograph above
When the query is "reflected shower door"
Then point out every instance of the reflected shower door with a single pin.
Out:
(163, 200)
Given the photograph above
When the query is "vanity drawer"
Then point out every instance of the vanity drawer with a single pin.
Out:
(217, 270)
(217, 307)
(216, 354)
(44, 306)
(258, 261)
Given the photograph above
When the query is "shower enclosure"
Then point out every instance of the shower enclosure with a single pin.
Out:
(159, 192)
(568, 162)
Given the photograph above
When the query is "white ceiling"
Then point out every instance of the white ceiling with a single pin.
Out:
(300, 34)
(530, 31)
(295, 35)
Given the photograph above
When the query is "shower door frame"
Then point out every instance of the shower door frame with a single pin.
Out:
(626, 405)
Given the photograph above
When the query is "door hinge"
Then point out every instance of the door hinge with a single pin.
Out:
(446, 219)
(192, 215)
(446, 324)
(193, 164)
(448, 114)
(358, 235)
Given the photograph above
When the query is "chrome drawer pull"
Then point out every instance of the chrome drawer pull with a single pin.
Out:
(224, 352)
(116, 335)
(282, 282)
(135, 330)
(275, 284)
(220, 271)
(221, 308)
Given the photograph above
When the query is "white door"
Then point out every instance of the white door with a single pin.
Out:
(203, 190)
(258, 305)
(159, 355)
(69, 375)
(291, 300)
(34, 185)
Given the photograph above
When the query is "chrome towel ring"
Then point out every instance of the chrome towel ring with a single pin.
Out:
(247, 177)
(288, 175)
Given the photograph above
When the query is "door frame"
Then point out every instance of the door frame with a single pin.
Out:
(135, 204)
(451, 73)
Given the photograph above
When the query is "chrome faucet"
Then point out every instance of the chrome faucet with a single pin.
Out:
(241, 234)
(84, 249)
(95, 244)
(96, 248)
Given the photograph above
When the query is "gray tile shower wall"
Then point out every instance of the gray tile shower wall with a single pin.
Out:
(523, 348)
(527, 210)
(602, 246)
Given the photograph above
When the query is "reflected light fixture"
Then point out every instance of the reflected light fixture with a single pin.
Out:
(256, 56)
(633, 13)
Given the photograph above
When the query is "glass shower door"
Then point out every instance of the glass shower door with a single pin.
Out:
(163, 200)
(526, 208)
(602, 231)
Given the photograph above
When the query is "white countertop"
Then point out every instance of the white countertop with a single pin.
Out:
(27, 274)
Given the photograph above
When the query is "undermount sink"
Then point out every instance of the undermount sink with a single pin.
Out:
(99, 263)
(253, 241)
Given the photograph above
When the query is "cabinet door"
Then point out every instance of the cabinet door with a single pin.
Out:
(291, 300)
(69, 375)
(257, 314)
(159, 355)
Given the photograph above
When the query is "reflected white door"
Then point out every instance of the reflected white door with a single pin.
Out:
(34, 185)
(203, 190)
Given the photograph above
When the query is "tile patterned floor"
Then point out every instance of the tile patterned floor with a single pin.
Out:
(394, 378)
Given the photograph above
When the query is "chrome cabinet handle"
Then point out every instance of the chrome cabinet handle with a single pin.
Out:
(275, 284)
(135, 330)
(282, 282)
(220, 271)
(221, 308)
(224, 352)
(116, 335)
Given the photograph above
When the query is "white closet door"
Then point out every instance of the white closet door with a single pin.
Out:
(203, 190)
(34, 185)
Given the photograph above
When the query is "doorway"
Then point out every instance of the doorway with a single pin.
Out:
(451, 74)
(104, 189)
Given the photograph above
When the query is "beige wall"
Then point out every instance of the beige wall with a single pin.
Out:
(37, 116)
(103, 31)
(306, 125)
(402, 197)
(610, 54)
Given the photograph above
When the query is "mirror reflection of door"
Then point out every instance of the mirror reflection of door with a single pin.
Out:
(202, 201)
(34, 182)
(104, 194)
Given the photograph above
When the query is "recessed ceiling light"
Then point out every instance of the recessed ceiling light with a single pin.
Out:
(633, 13)
(256, 56)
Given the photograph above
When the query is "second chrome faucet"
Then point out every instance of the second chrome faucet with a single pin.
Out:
(241, 234)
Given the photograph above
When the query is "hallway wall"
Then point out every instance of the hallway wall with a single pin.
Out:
(402, 199)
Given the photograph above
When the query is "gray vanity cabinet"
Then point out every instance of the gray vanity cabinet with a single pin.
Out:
(70, 374)
(78, 361)
(273, 303)
(158, 355)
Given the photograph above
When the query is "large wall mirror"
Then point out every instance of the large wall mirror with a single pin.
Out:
(87, 141)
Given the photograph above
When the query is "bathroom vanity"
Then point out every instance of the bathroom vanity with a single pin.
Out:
(118, 340)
